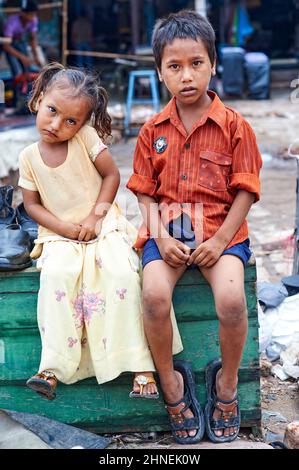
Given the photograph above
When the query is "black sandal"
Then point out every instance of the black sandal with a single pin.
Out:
(177, 420)
(226, 407)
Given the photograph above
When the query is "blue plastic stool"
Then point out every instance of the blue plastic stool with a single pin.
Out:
(131, 100)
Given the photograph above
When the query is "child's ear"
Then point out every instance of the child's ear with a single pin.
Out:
(39, 100)
(214, 69)
(159, 75)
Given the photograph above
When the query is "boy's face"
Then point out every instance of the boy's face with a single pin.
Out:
(186, 69)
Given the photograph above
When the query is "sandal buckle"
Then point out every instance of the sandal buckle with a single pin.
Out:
(48, 374)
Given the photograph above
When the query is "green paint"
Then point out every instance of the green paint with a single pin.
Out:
(107, 408)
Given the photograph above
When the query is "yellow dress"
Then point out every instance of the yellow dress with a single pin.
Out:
(89, 302)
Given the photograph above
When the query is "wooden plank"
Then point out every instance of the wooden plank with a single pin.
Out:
(189, 305)
(28, 279)
(108, 408)
(21, 348)
(18, 311)
(194, 277)
(197, 302)
(202, 343)
(22, 281)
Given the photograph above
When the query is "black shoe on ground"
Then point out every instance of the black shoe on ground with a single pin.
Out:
(14, 248)
(7, 213)
(27, 224)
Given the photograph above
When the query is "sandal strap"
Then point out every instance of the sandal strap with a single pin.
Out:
(226, 407)
(217, 424)
(179, 406)
(227, 419)
(48, 376)
(179, 422)
(144, 380)
(184, 424)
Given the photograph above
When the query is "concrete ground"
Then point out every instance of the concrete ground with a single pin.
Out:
(15, 436)
(271, 223)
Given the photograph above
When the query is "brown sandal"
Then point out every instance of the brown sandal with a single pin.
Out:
(44, 383)
(143, 380)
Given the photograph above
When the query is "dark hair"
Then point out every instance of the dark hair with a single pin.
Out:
(186, 24)
(29, 6)
(82, 83)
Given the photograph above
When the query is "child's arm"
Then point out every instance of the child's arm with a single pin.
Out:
(43, 217)
(174, 252)
(208, 252)
(91, 225)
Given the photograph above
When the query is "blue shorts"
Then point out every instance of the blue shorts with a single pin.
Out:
(151, 252)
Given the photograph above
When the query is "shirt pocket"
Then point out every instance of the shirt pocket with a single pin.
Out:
(214, 170)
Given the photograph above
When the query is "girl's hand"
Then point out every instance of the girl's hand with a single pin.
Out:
(90, 228)
(69, 230)
(174, 252)
(207, 253)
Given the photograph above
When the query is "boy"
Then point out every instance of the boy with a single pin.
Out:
(195, 161)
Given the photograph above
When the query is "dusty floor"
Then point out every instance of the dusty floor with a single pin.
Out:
(271, 223)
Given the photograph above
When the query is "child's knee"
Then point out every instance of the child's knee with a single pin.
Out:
(156, 304)
(231, 310)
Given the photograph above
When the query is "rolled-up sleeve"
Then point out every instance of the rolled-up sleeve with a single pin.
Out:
(143, 180)
(246, 161)
(26, 179)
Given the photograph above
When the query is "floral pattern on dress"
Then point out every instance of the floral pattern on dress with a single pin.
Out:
(86, 304)
(59, 295)
(104, 342)
(99, 263)
(121, 293)
(78, 307)
(83, 342)
(72, 341)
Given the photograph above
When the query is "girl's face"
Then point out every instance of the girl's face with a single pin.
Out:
(60, 116)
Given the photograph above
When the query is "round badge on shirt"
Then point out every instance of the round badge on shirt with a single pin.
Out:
(160, 144)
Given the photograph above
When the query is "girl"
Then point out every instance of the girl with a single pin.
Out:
(89, 312)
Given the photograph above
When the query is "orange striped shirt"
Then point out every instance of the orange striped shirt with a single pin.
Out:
(198, 173)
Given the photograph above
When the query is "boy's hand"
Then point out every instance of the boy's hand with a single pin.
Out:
(90, 228)
(207, 253)
(174, 252)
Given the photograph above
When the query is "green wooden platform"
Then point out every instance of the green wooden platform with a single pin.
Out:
(108, 408)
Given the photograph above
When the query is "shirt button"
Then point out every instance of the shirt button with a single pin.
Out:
(184, 177)
(187, 146)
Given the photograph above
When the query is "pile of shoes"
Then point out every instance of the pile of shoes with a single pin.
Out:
(17, 233)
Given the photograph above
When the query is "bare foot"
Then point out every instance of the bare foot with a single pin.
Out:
(146, 389)
(173, 392)
(227, 394)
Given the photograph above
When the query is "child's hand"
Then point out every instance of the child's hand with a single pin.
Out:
(207, 253)
(90, 228)
(174, 252)
(69, 230)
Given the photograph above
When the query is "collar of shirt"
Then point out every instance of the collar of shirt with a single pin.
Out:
(216, 112)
